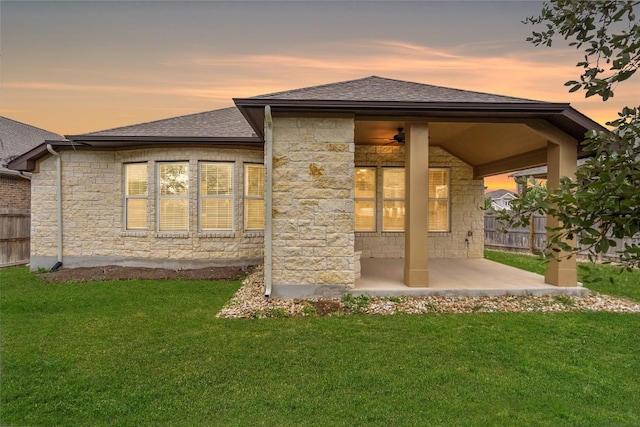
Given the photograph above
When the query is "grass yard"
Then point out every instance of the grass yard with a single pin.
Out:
(136, 353)
(607, 279)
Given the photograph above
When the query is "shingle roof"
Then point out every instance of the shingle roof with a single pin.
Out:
(230, 123)
(227, 122)
(17, 138)
(497, 194)
(539, 172)
(376, 88)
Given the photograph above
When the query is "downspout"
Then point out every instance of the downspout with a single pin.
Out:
(268, 205)
(58, 264)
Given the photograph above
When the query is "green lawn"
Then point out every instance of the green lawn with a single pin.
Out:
(607, 279)
(137, 353)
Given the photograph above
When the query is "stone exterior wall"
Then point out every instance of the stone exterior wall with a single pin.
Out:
(466, 200)
(313, 205)
(93, 217)
(15, 192)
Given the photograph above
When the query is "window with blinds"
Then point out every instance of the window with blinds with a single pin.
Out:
(365, 199)
(135, 196)
(439, 190)
(254, 182)
(173, 196)
(216, 196)
(393, 199)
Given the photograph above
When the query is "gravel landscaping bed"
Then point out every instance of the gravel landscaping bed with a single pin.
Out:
(249, 302)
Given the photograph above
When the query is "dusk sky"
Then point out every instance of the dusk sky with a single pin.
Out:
(73, 67)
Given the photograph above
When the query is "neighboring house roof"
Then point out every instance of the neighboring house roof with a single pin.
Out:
(17, 138)
(539, 172)
(500, 194)
(500, 198)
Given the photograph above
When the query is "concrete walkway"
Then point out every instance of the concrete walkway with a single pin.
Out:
(455, 277)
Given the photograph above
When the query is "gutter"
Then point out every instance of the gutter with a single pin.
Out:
(268, 226)
(50, 149)
(164, 139)
(13, 173)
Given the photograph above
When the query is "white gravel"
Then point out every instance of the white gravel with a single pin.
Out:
(249, 302)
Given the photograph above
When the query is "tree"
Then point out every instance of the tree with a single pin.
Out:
(603, 201)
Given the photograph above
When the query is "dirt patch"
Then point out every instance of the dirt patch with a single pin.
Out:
(326, 307)
(113, 272)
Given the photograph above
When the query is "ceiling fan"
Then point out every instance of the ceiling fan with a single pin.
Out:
(397, 138)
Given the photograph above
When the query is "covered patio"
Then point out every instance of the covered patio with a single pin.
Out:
(455, 277)
(393, 170)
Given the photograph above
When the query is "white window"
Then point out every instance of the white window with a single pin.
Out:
(254, 181)
(216, 196)
(173, 196)
(135, 196)
(393, 199)
(365, 199)
(439, 190)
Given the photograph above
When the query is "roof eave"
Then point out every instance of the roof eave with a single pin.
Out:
(298, 104)
(27, 161)
(14, 174)
(89, 139)
(253, 110)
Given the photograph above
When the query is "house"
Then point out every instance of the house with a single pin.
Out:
(308, 180)
(500, 199)
(538, 173)
(15, 189)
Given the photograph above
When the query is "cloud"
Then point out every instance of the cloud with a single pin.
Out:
(515, 73)
(528, 73)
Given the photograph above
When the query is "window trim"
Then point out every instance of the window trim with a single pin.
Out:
(128, 197)
(160, 197)
(231, 197)
(373, 199)
(391, 199)
(246, 197)
(447, 199)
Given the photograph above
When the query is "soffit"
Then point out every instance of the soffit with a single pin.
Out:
(476, 144)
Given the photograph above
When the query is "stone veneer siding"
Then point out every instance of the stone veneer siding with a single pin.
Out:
(93, 217)
(466, 200)
(313, 207)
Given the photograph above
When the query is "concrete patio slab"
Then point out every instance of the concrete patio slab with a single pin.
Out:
(455, 277)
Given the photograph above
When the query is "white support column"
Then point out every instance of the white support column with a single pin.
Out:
(416, 270)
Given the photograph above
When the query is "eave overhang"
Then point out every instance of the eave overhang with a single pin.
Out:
(561, 115)
(27, 161)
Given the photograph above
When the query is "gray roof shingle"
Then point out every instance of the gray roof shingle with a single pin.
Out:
(496, 194)
(538, 172)
(17, 138)
(230, 123)
(376, 88)
(224, 123)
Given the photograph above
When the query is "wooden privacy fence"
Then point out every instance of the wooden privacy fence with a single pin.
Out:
(15, 226)
(520, 239)
(534, 238)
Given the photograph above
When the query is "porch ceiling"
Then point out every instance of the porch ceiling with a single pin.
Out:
(490, 147)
